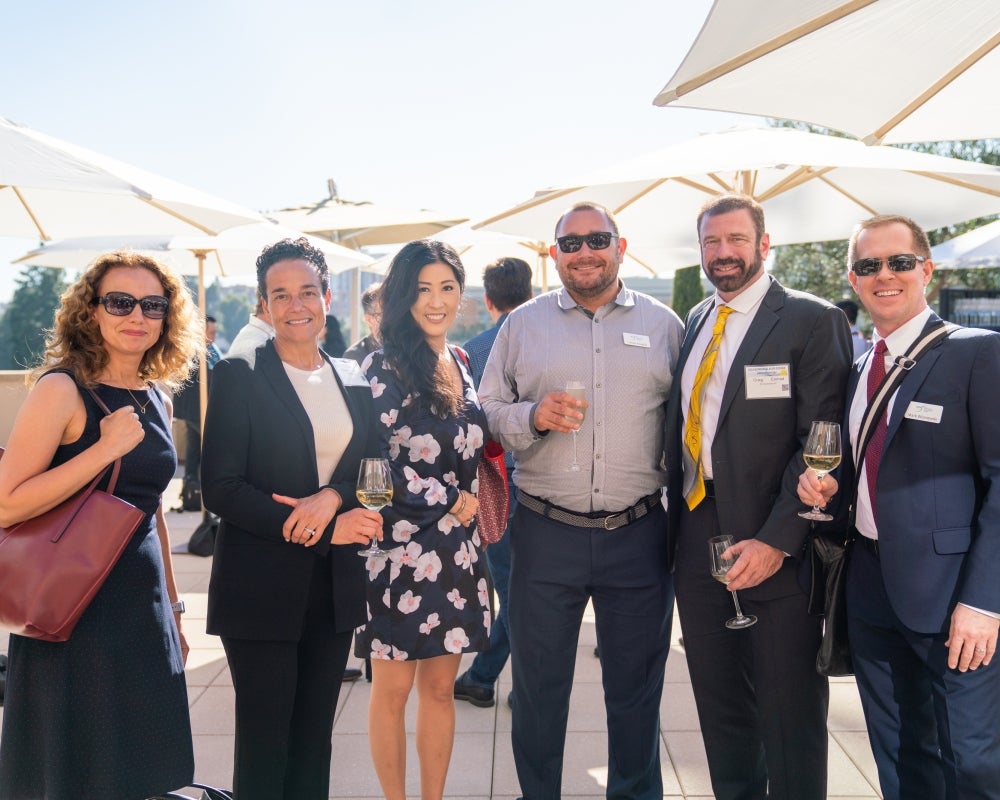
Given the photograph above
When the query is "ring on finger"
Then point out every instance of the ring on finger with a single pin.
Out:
(310, 531)
(981, 650)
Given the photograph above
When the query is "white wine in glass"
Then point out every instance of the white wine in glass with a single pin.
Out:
(375, 493)
(578, 391)
(821, 454)
(720, 571)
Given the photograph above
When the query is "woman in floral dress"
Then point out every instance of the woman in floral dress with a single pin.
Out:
(429, 601)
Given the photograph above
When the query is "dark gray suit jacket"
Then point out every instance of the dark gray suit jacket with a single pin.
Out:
(757, 450)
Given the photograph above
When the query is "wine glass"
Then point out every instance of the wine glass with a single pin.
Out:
(821, 454)
(720, 569)
(374, 493)
(577, 391)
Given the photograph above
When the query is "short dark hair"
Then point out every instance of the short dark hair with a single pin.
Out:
(725, 203)
(850, 308)
(586, 205)
(507, 282)
(288, 249)
(210, 318)
(369, 298)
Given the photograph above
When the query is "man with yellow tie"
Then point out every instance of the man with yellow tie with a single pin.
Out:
(758, 364)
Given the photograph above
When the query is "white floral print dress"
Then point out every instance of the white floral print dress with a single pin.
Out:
(432, 595)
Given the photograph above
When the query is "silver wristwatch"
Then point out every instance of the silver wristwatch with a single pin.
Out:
(178, 607)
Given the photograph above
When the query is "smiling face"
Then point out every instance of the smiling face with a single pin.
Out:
(890, 298)
(731, 256)
(134, 334)
(438, 297)
(295, 301)
(590, 276)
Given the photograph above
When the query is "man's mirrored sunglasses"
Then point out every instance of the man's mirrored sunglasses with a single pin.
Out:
(900, 263)
(120, 304)
(595, 241)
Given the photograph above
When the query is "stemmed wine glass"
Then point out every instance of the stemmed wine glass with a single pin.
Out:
(577, 391)
(720, 569)
(374, 493)
(821, 454)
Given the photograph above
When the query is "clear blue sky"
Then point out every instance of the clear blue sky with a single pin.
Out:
(454, 105)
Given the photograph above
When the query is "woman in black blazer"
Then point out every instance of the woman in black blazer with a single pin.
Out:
(284, 436)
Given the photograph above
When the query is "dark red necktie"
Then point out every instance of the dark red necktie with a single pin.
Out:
(873, 455)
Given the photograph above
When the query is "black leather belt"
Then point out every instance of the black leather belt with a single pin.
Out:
(608, 522)
(869, 544)
(710, 488)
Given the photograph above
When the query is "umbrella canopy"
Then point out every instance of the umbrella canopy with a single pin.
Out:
(479, 248)
(881, 70)
(977, 249)
(52, 189)
(233, 252)
(813, 188)
(362, 224)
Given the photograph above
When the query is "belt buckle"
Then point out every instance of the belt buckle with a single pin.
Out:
(607, 521)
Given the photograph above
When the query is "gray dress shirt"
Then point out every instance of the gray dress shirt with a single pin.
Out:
(625, 354)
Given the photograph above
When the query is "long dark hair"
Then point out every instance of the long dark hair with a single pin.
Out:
(407, 353)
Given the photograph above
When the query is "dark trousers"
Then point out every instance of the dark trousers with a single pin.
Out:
(286, 697)
(556, 569)
(192, 452)
(761, 704)
(934, 731)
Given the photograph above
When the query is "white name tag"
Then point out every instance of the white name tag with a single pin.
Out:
(925, 412)
(636, 339)
(767, 381)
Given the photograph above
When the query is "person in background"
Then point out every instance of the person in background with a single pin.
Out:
(212, 355)
(333, 338)
(507, 284)
(596, 533)
(252, 335)
(429, 601)
(373, 313)
(759, 364)
(858, 340)
(187, 406)
(283, 443)
(923, 599)
(104, 714)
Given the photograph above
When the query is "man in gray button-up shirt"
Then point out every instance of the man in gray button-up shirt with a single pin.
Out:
(597, 533)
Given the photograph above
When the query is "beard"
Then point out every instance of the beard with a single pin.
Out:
(592, 285)
(733, 281)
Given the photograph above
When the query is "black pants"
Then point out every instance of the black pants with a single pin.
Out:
(286, 698)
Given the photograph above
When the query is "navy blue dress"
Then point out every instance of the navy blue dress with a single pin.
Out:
(432, 595)
(105, 714)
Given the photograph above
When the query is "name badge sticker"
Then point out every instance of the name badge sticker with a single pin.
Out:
(767, 381)
(925, 412)
(636, 339)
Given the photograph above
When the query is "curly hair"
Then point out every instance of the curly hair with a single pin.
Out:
(423, 374)
(75, 341)
(288, 249)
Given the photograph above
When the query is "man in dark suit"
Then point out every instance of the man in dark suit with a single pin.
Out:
(923, 596)
(758, 364)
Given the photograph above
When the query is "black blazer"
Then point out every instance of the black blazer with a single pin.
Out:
(757, 449)
(258, 440)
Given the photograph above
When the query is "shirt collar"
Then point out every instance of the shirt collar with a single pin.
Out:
(899, 341)
(625, 297)
(747, 300)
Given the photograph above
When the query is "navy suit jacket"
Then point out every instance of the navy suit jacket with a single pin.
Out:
(259, 440)
(757, 449)
(938, 498)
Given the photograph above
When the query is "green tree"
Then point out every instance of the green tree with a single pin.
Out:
(816, 267)
(232, 312)
(688, 291)
(30, 313)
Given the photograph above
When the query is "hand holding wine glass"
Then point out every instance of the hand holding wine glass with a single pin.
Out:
(821, 454)
(578, 391)
(374, 493)
(720, 571)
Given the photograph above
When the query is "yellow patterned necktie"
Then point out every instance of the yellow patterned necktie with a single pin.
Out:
(692, 429)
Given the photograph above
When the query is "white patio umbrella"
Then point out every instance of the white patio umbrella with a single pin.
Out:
(363, 224)
(479, 248)
(882, 70)
(51, 189)
(977, 249)
(813, 188)
(232, 252)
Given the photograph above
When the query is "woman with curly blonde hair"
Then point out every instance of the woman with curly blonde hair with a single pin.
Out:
(105, 713)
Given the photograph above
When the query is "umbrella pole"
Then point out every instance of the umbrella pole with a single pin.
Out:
(355, 304)
(202, 362)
